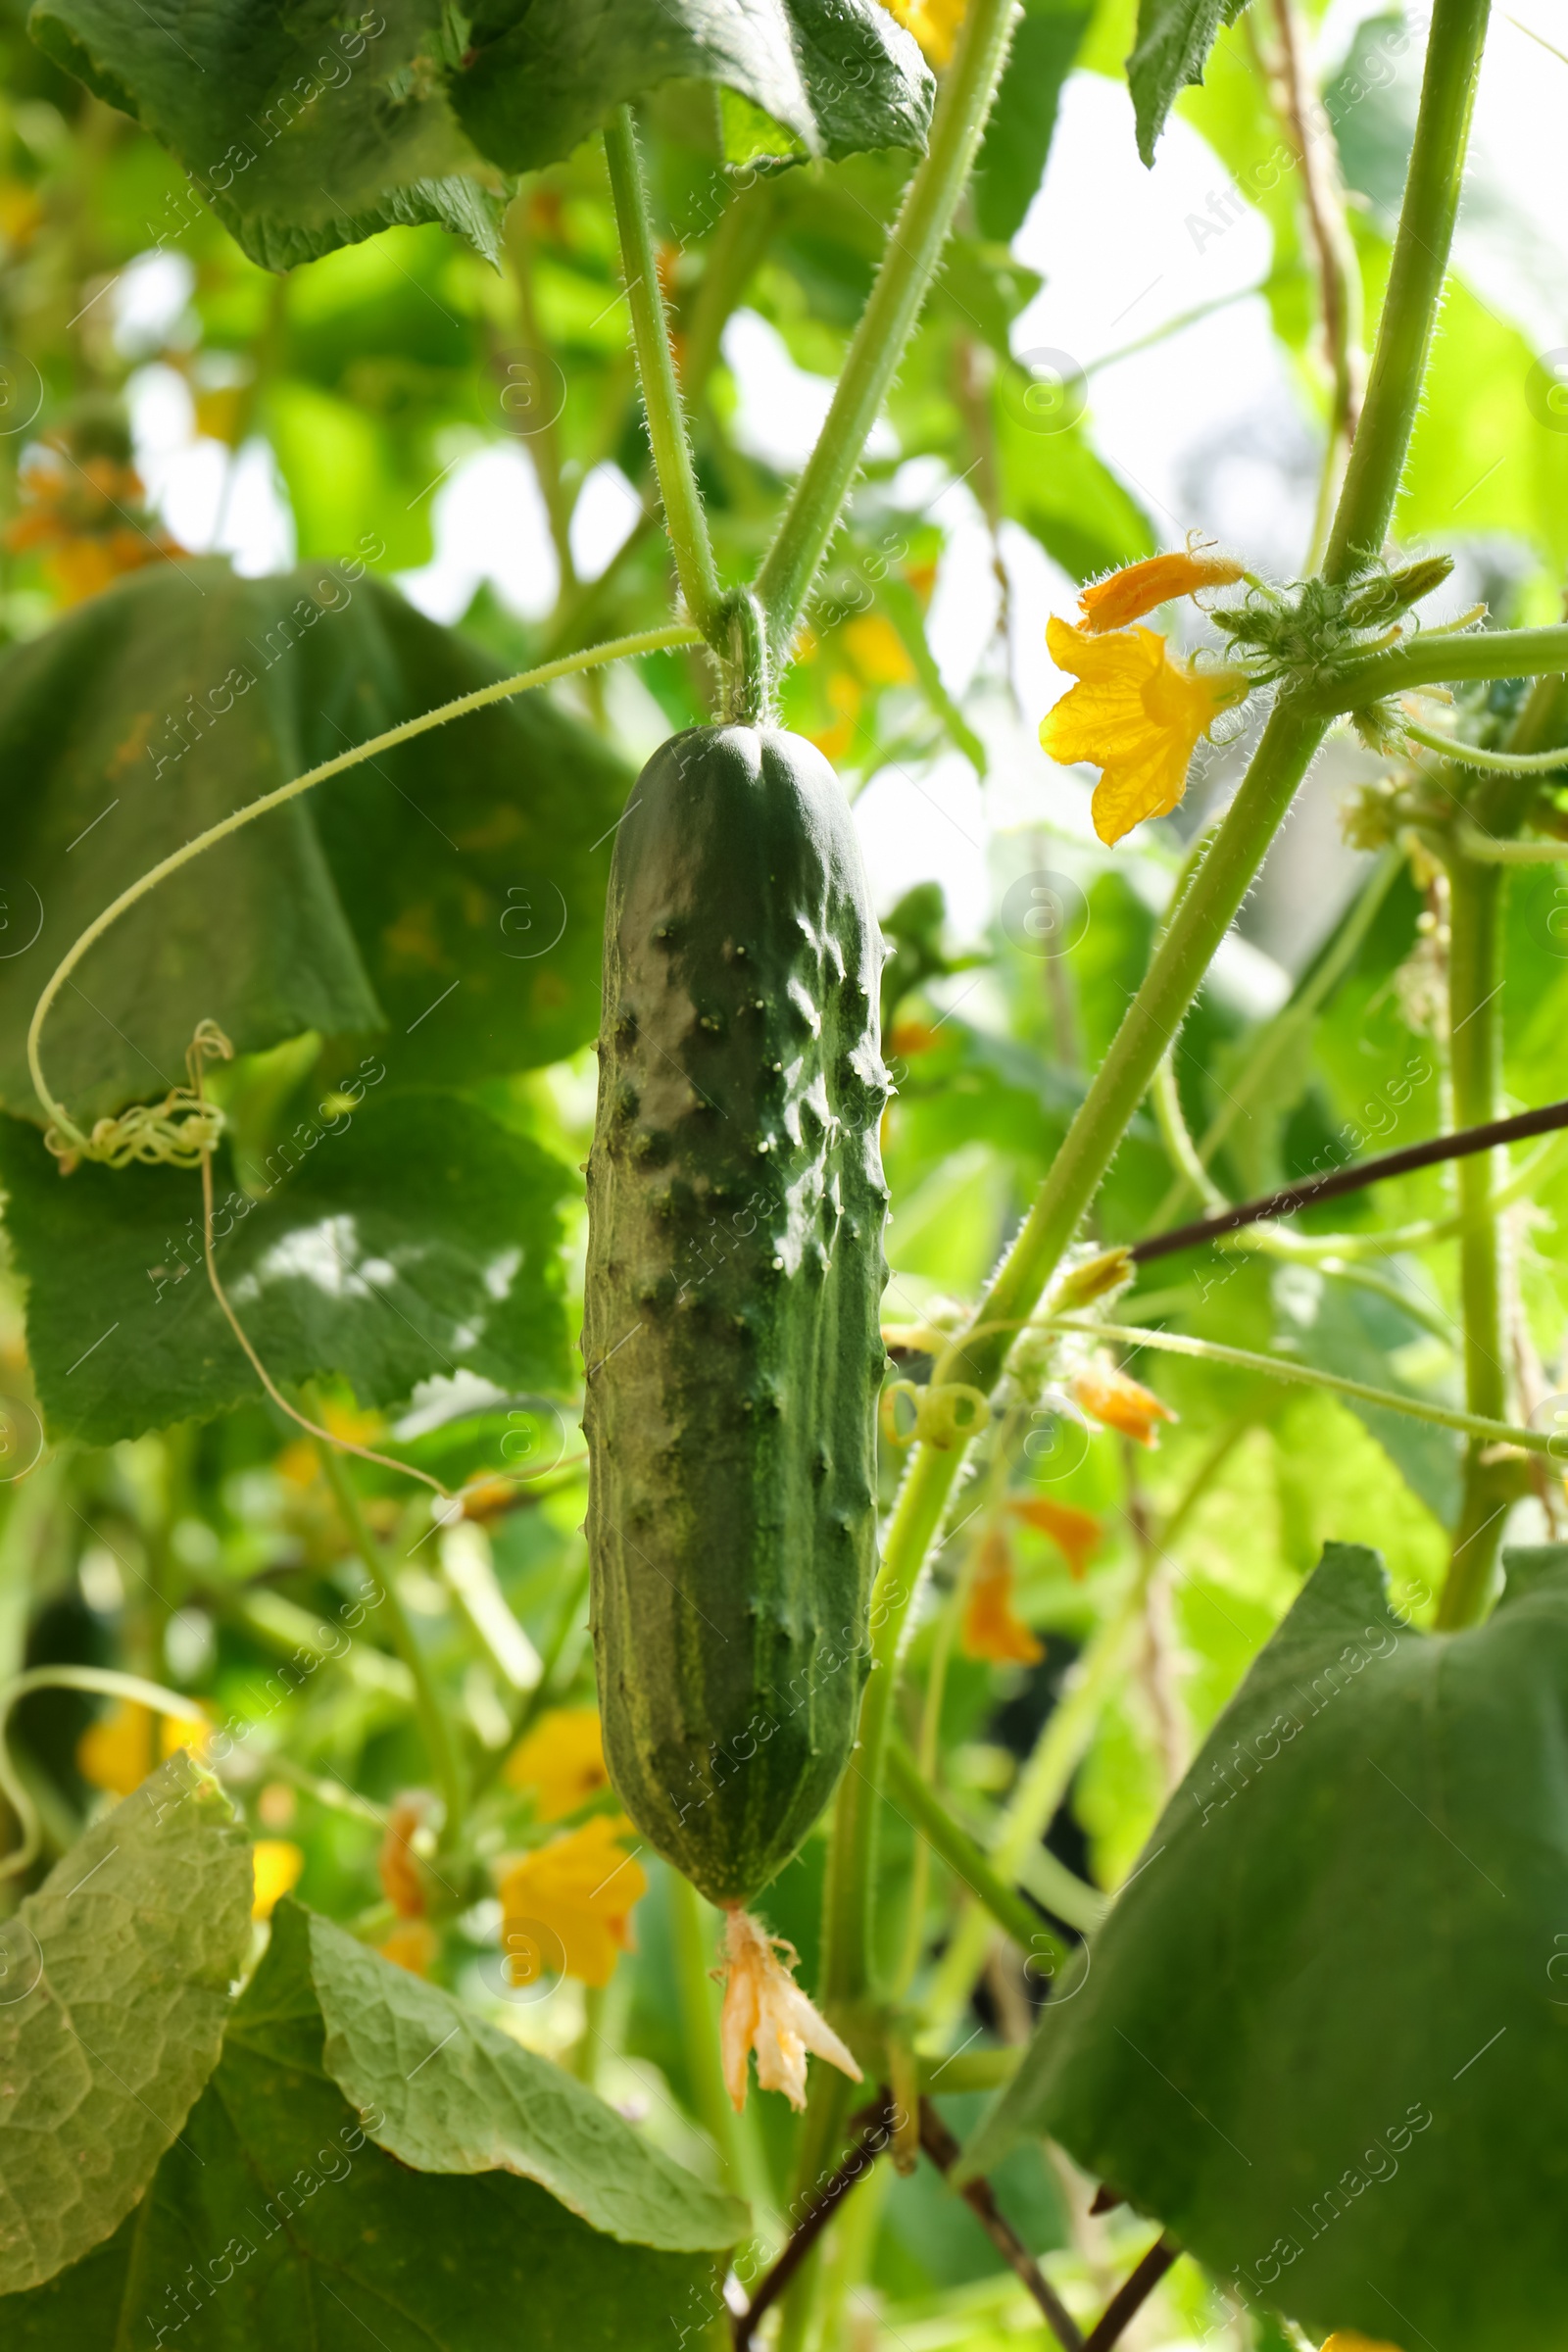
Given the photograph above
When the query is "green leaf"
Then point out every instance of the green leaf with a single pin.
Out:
(1011, 162)
(417, 1235)
(304, 129)
(492, 2106)
(113, 1999)
(451, 889)
(1335, 1978)
(1344, 1328)
(306, 132)
(277, 2219)
(1175, 39)
(841, 75)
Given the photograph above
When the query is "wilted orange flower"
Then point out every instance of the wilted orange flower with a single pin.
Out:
(1075, 1533)
(1120, 1402)
(992, 1626)
(120, 1749)
(561, 1760)
(1136, 713)
(396, 1866)
(413, 1944)
(276, 1863)
(1139, 588)
(765, 2011)
(567, 1906)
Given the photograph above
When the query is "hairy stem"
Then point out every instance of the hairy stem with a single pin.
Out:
(1012, 1914)
(914, 248)
(1461, 659)
(1415, 285)
(684, 518)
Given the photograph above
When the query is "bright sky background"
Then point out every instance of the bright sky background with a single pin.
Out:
(1204, 428)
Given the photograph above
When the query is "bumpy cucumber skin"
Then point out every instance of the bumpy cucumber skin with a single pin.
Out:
(731, 1337)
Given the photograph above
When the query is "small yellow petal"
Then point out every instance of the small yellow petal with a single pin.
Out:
(120, 1748)
(1135, 713)
(561, 1760)
(567, 1907)
(1120, 1402)
(1075, 1533)
(276, 1863)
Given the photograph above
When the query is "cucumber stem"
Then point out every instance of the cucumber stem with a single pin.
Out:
(684, 517)
(1208, 907)
(908, 265)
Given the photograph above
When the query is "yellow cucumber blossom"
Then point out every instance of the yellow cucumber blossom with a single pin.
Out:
(568, 1905)
(1136, 713)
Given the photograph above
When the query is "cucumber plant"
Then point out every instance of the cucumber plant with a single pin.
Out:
(292, 1555)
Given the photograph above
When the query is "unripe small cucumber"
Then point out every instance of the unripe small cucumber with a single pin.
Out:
(731, 1333)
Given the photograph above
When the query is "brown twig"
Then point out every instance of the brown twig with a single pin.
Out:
(1339, 1181)
(944, 2151)
(876, 2122)
(1133, 2291)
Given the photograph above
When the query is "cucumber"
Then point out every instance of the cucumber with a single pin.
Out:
(731, 1332)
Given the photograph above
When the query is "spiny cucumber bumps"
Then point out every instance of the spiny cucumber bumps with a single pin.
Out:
(731, 1333)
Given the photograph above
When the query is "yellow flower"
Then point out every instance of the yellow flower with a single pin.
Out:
(765, 2011)
(277, 1863)
(561, 1760)
(120, 1749)
(934, 24)
(567, 1906)
(992, 1626)
(877, 651)
(1345, 2340)
(413, 1944)
(1136, 713)
(1121, 1403)
(1075, 1533)
(1139, 588)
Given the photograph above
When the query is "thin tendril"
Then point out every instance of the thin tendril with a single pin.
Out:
(114, 1139)
(130, 1687)
(209, 1040)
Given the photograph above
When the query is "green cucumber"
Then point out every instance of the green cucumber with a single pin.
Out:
(731, 1332)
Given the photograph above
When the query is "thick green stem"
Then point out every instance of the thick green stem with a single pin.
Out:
(1415, 285)
(1464, 659)
(914, 250)
(684, 518)
(435, 1725)
(1200, 921)
(1475, 1012)
(1007, 1907)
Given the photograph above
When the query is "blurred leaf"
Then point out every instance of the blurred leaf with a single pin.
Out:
(1341, 1327)
(492, 2106)
(424, 1237)
(114, 1993)
(451, 888)
(1011, 162)
(304, 132)
(1058, 489)
(841, 75)
(306, 2231)
(1175, 39)
(1362, 1876)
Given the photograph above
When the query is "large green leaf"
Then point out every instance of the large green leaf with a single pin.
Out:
(278, 2220)
(451, 889)
(840, 73)
(1011, 161)
(1175, 39)
(112, 1998)
(303, 127)
(307, 132)
(492, 2106)
(1341, 1327)
(1334, 1983)
(416, 1236)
